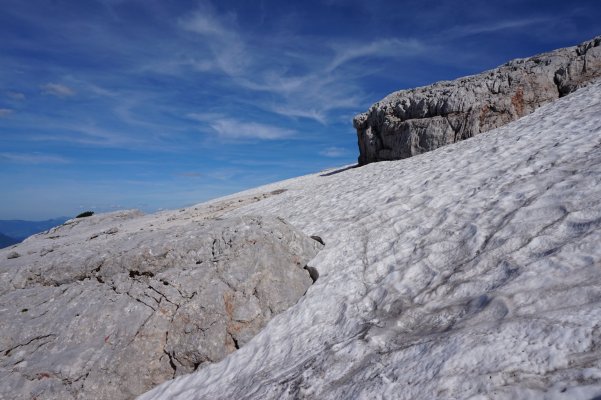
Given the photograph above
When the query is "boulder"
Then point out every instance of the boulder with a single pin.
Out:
(411, 122)
(108, 307)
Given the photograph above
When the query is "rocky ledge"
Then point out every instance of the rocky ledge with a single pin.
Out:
(107, 307)
(411, 122)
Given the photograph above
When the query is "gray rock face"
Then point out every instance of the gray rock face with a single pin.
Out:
(411, 122)
(106, 307)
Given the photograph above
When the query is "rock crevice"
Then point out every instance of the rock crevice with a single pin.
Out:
(110, 316)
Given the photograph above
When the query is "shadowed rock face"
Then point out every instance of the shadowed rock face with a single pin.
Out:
(411, 122)
(103, 308)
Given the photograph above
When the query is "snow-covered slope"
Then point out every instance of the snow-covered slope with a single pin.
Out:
(473, 271)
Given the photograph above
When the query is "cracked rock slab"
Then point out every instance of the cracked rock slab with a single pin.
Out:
(115, 307)
(410, 122)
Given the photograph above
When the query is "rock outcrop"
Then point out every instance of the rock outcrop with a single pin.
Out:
(108, 306)
(411, 122)
(467, 273)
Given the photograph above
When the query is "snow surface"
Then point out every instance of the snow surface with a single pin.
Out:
(473, 271)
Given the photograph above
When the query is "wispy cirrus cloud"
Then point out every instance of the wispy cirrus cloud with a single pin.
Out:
(219, 31)
(93, 136)
(57, 89)
(334, 152)
(303, 81)
(32, 158)
(5, 112)
(510, 25)
(232, 129)
(17, 96)
(294, 111)
(390, 48)
(205, 21)
(228, 128)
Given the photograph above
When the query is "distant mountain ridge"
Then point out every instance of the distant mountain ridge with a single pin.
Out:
(6, 241)
(15, 230)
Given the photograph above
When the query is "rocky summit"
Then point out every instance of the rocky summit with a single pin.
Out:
(471, 271)
(108, 306)
(411, 122)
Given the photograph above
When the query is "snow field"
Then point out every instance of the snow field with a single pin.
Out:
(472, 271)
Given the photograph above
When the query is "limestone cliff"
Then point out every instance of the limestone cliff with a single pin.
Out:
(411, 122)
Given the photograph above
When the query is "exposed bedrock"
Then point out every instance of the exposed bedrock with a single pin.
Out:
(107, 309)
(411, 122)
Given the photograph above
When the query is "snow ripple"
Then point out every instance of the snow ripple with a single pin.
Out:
(468, 272)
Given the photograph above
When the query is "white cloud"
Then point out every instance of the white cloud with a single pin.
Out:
(504, 25)
(313, 95)
(205, 117)
(306, 77)
(231, 129)
(294, 112)
(16, 96)
(204, 22)
(5, 112)
(220, 34)
(334, 152)
(32, 158)
(393, 48)
(305, 81)
(91, 135)
(57, 89)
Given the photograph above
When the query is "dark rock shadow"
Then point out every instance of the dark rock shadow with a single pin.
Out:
(337, 171)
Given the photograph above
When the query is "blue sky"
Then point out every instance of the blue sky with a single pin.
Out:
(160, 104)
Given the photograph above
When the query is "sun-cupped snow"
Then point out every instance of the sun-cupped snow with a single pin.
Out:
(472, 271)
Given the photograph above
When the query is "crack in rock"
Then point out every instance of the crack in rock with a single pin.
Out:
(128, 311)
